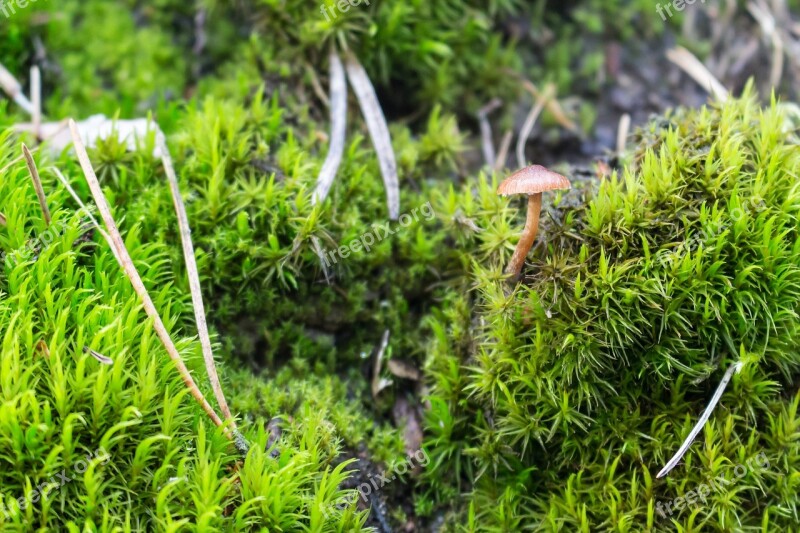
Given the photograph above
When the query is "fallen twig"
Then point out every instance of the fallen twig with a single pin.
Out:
(133, 275)
(378, 130)
(684, 59)
(338, 90)
(37, 183)
(735, 367)
(194, 280)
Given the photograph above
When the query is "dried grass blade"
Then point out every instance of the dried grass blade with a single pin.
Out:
(338, 99)
(687, 61)
(502, 153)
(487, 146)
(735, 367)
(530, 121)
(194, 279)
(37, 183)
(378, 130)
(130, 270)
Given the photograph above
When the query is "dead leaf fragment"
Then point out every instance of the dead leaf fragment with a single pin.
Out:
(403, 369)
(41, 348)
(406, 417)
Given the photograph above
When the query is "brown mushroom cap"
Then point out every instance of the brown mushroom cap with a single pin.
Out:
(531, 180)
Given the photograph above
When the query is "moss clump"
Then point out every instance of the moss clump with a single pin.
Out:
(441, 52)
(565, 397)
(122, 447)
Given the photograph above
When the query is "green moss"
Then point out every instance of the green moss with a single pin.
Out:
(566, 395)
(152, 451)
(548, 404)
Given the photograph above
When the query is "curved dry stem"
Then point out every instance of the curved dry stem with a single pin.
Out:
(530, 121)
(338, 128)
(527, 237)
(130, 270)
(194, 279)
(378, 131)
(735, 367)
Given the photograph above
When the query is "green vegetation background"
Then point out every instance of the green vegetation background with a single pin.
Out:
(548, 406)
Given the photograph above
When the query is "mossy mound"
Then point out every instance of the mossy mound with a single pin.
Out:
(563, 398)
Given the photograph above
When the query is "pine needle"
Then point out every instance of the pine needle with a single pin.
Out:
(735, 367)
(133, 275)
(378, 131)
(37, 183)
(194, 280)
(338, 99)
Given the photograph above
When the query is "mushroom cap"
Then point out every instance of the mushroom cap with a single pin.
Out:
(531, 180)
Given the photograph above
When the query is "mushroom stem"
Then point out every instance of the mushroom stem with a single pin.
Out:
(527, 237)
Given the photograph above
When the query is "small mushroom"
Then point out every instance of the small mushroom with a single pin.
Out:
(533, 181)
